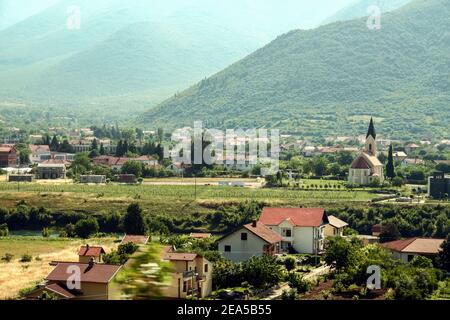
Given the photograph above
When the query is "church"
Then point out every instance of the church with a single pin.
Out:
(366, 168)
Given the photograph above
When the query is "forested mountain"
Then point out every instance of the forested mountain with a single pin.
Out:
(328, 80)
(137, 52)
(359, 8)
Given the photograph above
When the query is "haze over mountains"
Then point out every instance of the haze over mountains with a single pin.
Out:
(359, 8)
(135, 52)
(330, 79)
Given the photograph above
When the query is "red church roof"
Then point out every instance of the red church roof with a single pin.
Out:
(361, 163)
(298, 217)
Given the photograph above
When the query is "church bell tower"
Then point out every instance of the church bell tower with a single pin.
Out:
(371, 143)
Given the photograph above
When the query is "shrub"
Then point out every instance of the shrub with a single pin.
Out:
(7, 257)
(26, 258)
(45, 232)
(289, 295)
(290, 263)
(296, 281)
(4, 231)
(86, 227)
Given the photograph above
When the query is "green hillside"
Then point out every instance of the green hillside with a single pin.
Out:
(319, 82)
(134, 53)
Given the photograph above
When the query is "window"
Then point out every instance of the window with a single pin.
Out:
(227, 248)
(287, 233)
(244, 236)
(206, 268)
(410, 257)
(185, 286)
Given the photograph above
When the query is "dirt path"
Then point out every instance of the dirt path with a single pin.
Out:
(312, 276)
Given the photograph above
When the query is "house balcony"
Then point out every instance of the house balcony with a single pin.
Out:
(200, 278)
(189, 274)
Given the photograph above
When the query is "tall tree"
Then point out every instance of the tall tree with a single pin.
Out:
(389, 232)
(390, 169)
(443, 258)
(102, 149)
(54, 145)
(94, 145)
(119, 149)
(133, 221)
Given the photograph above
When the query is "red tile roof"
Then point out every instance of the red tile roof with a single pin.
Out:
(200, 235)
(298, 217)
(179, 256)
(135, 239)
(59, 290)
(56, 161)
(415, 245)
(263, 232)
(6, 149)
(88, 251)
(361, 163)
(41, 148)
(98, 273)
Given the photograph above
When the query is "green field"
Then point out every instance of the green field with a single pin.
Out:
(166, 198)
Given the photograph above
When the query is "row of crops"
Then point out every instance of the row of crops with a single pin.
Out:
(183, 191)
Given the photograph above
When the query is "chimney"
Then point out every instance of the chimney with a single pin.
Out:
(254, 224)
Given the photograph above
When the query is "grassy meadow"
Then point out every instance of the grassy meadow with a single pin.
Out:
(16, 275)
(168, 198)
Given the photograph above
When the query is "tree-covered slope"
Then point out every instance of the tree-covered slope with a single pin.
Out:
(137, 52)
(323, 81)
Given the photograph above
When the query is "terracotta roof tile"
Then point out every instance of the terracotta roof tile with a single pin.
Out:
(415, 245)
(299, 217)
(179, 256)
(135, 239)
(88, 251)
(360, 163)
(98, 273)
(200, 235)
(263, 232)
(59, 290)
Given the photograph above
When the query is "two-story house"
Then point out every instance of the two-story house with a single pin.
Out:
(253, 239)
(301, 229)
(191, 275)
(9, 156)
(95, 282)
(335, 227)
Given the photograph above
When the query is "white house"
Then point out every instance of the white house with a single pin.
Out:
(39, 153)
(301, 229)
(407, 249)
(253, 239)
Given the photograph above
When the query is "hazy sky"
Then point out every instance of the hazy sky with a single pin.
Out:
(301, 13)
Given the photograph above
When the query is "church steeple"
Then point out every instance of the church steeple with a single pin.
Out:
(371, 144)
(371, 131)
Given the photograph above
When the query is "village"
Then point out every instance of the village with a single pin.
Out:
(308, 248)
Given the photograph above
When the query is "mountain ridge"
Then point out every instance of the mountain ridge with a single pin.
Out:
(297, 80)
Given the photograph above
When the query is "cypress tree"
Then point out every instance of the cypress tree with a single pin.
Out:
(390, 169)
(102, 149)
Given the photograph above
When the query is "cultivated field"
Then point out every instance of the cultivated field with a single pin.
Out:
(16, 275)
(167, 198)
